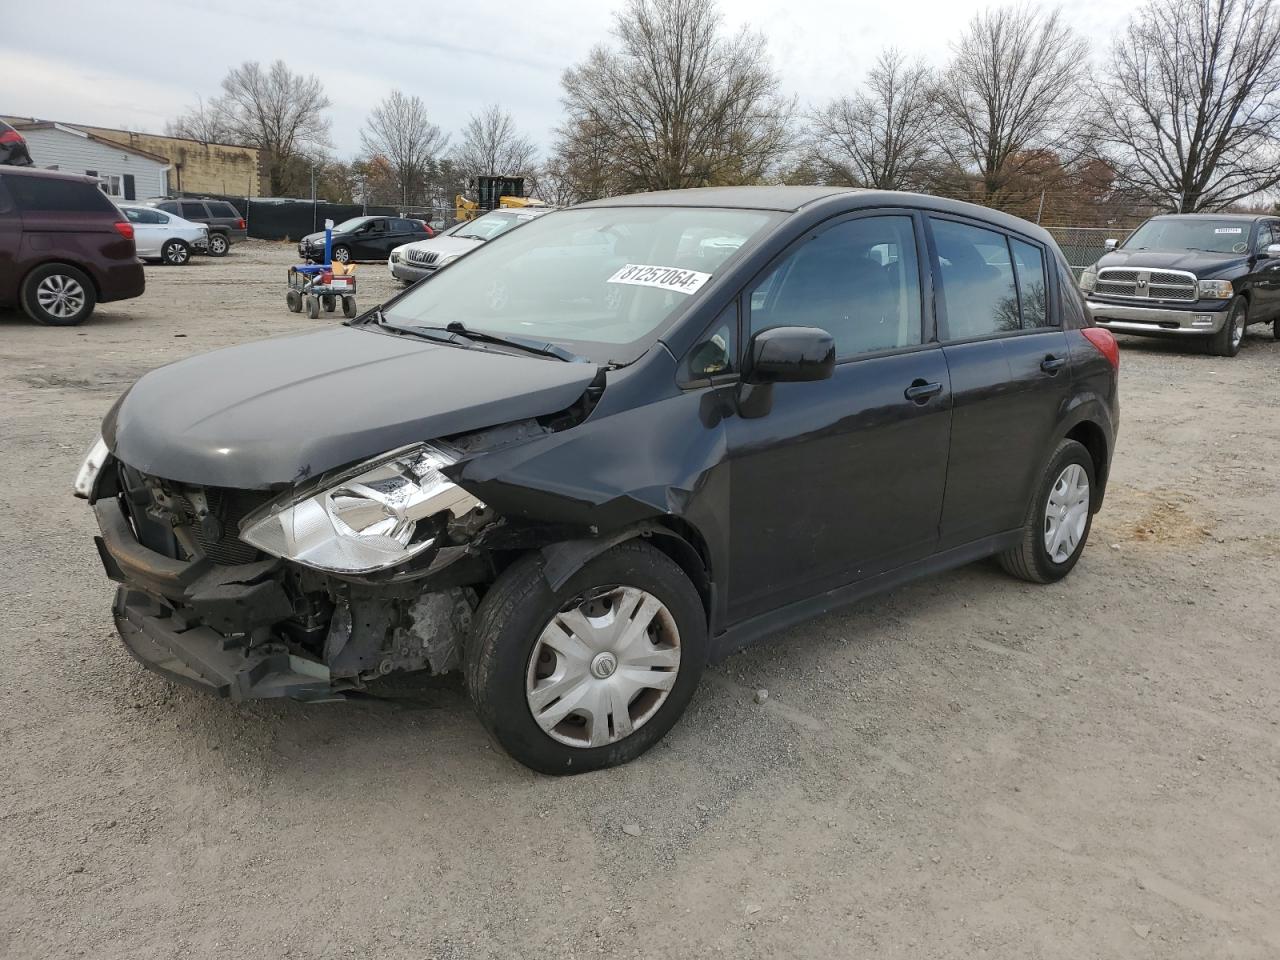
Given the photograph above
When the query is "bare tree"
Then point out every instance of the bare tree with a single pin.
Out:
(883, 136)
(1191, 106)
(683, 104)
(201, 122)
(1011, 91)
(493, 146)
(400, 131)
(274, 109)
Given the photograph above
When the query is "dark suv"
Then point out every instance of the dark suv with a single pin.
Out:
(63, 246)
(1193, 276)
(715, 414)
(225, 224)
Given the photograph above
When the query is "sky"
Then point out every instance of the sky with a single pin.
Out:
(138, 63)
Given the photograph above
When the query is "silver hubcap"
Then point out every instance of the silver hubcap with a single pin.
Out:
(1066, 513)
(218, 244)
(603, 667)
(1237, 328)
(177, 254)
(63, 297)
(341, 255)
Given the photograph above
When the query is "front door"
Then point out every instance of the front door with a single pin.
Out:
(371, 243)
(1265, 275)
(1010, 374)
(843, 478)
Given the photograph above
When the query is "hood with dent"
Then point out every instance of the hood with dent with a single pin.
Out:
(273, 413)
(1203, 264)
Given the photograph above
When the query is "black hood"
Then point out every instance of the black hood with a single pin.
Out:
(1203, 264)
(276, 412)
(318, 237)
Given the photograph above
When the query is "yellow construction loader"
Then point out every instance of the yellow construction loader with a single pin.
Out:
(494, 193)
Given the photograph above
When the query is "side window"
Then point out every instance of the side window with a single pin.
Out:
(377, 226)
(714, 354)
(1074, 315)
(1032, 283)
(1267, 235)
(223, 210)
(977, 280)
(194, 211)
(168, 207)
(858, 280)
(136, 216)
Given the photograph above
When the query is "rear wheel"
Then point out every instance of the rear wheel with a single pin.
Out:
(348, 307)
(1226, 342)
(175, 253)
(219, 245)
(313, 306)
(58, 295)
(294, 300)
(1058, 520)
(329, 302)
(593, 674)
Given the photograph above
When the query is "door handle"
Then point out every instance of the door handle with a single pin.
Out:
(1052, 364)
(921, 390)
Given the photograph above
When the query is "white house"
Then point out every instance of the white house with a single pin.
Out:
(125, 172)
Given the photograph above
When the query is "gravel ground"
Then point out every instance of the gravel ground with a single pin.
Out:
(967, 767)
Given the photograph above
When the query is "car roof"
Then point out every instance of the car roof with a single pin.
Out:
(47, 174)
(1241, 217)
(792, 199)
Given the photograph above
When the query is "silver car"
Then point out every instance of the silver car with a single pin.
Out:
(411, 262)
(165, 236)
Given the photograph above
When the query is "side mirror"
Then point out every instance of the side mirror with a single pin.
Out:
(1110, 244)
(790, 355)
(1272, 252)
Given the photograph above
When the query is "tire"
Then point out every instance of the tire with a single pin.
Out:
(329, 302)
(342, 254)
(175, 253)
(506, 654)
(313, 307)
(1226, 342)
(219, 245)
(294, 301)
(348, 307)
(58, 295)
(1275, 329)
(1030, 559)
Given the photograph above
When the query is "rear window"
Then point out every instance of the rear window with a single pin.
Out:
(52, 195)
(194, 211)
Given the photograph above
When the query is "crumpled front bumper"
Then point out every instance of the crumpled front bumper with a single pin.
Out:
(193, 621)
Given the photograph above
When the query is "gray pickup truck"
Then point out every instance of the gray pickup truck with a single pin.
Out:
(1204, 277)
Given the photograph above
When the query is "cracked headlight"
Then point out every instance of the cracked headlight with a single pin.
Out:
(1089, 278)
(372, 518)
(1215, 289)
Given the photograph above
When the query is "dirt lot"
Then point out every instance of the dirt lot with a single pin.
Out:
(969, 767)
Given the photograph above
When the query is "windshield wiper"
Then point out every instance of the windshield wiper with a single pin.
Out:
(520, 343)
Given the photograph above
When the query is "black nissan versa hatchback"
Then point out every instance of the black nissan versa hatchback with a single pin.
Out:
(606, 448)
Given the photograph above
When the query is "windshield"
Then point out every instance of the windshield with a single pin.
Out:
(602, 282)
(491, 225)
(1214, 236)
(346, 226)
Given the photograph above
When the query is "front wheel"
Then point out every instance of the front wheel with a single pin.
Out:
(175, 253)
(1226, 342)
(341, 254)
(313, 306)
(348, 307)
(593, 674)
(1058, 520)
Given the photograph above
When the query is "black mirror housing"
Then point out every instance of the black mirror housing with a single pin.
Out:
(790, 355)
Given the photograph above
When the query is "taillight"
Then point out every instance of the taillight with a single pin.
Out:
(242, 225)
(10, 136)
(124, 228)
(1105, 341)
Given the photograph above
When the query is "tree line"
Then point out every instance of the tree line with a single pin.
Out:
(1181, 112)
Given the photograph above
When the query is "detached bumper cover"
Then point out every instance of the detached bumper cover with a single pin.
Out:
(410, 273)
(192, 621)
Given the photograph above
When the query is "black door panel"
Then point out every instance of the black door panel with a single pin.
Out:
(843, 479)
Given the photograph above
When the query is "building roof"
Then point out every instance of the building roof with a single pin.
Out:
(77, 132)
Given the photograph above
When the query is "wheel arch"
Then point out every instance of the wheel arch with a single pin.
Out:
(1090, 434)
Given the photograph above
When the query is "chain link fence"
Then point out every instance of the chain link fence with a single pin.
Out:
(1082, 246)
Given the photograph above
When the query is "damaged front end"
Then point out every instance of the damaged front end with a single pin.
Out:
(310, 594)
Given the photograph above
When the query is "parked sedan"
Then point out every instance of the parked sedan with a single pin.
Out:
(579, 499)
(165, 237)
(413, 261)
(364, 238)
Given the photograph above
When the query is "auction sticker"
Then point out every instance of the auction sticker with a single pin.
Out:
(664, 278)
(1231, 230)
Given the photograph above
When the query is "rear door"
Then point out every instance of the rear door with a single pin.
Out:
(149, 233)
(1010, 373)
(843, 478)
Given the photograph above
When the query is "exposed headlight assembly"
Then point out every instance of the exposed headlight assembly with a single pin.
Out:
(445, 261)
(1215, 290)
(1089, 278)
(372, 518)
